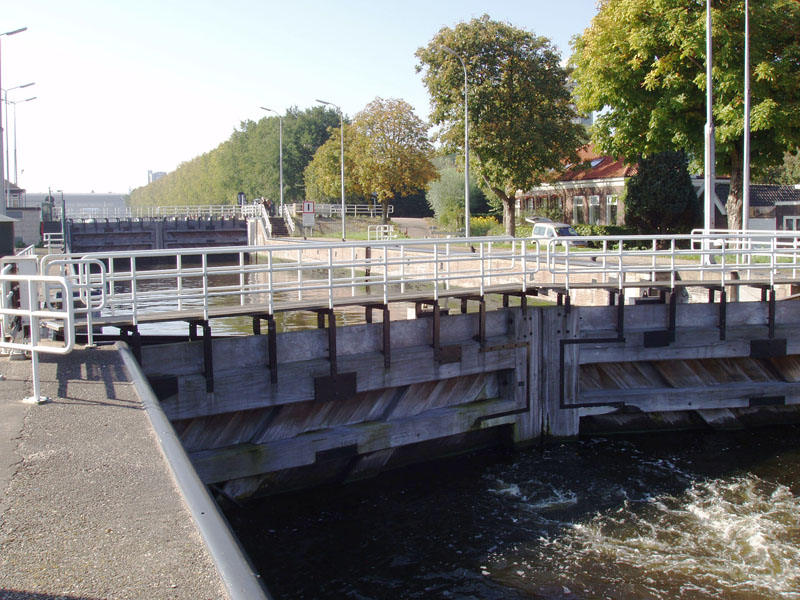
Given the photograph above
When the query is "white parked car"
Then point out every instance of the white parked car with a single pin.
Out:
(556, 230)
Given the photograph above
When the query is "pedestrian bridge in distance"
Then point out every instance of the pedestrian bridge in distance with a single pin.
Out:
(641, 333)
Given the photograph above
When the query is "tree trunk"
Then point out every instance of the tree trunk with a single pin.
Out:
(734, 202)
(509, 209)
(385, 211)
(510, 215)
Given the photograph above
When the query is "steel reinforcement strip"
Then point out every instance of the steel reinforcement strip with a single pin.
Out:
(240, 579)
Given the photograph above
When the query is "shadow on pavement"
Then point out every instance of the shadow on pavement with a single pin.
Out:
(19, 595)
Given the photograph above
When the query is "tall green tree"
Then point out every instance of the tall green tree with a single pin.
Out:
(323, 174)
(392, 152)
(386, 154)
(660, 197)
(642, 62)
(522, 124)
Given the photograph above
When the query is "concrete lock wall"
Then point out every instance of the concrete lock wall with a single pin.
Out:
(539, 374)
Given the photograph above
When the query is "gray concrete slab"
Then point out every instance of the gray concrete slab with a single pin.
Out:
(90, 509)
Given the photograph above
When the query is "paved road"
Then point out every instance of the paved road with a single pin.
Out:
(89, 509)
(412, 227)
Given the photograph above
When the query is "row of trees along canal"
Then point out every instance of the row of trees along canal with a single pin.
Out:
(646, 79)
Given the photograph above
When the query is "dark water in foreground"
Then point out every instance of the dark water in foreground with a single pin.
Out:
(678, 515)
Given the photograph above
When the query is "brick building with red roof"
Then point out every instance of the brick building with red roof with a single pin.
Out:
(589, 192)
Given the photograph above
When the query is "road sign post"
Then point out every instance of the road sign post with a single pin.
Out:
(308, 215)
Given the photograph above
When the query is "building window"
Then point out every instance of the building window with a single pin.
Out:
(791, 223)
(594, 210)
(611, 209)
(579, 209)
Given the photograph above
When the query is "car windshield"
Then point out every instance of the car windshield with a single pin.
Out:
(562, 231)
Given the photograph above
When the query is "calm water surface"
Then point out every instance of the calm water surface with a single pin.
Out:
(679, 515)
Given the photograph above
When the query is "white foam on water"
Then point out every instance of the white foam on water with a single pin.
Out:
(724, 538)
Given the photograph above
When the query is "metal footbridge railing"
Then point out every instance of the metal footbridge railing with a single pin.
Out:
(128, 288)
(203, 283)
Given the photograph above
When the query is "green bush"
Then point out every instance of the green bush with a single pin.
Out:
(583, 229)
(606, 230)
(485, 226)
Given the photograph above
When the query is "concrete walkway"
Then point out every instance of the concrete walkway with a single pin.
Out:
(89, 509)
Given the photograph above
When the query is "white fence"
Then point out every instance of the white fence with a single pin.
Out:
(294, 275)
(324, 274)
(381, 232)
(32, 299)
(212, 211)
(335, 210)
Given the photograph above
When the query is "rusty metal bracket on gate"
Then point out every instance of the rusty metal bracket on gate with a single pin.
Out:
(336, 386)
(272, 342)
(443, 354)
(208, 358)
(387, 346)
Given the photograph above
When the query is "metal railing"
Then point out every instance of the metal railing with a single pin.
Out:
(87, 277)
(54, 241)
(335, 210)
(287, 217)
(40, 300)
(324, 274)
(720, 258)
(381, 232)
(318, 273)
(214, 211)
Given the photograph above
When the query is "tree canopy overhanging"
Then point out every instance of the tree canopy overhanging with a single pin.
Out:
(522, 124)
(642, 62)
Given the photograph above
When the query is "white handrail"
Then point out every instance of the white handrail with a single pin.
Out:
(335, 210)
(323, 272)
(38, 288)
(88, 279)
(220, 211)
(287, 217)
(381, 232)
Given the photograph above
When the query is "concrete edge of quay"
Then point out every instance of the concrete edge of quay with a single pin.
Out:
(240, 579)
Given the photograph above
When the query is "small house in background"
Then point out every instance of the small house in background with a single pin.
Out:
(593, 193)
(27, 218)
(772, 207)
(590, 192)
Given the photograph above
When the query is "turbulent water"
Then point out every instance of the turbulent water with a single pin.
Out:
(679, 515)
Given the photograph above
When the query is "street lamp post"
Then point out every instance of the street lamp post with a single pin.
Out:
(746, 158)
(466, 140)
(280, 150)
(15, 102)
(709, 131)
(341, 136)
(3, 202)
(8, 148)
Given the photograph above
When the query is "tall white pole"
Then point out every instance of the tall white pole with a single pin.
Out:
(709, 130)
(15, 134)
(341, 154)
(3, 199)
(8, 147)
(280, 150)
(466, 140)
(746, 157)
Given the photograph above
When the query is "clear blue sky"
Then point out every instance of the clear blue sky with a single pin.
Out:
(124, 86)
